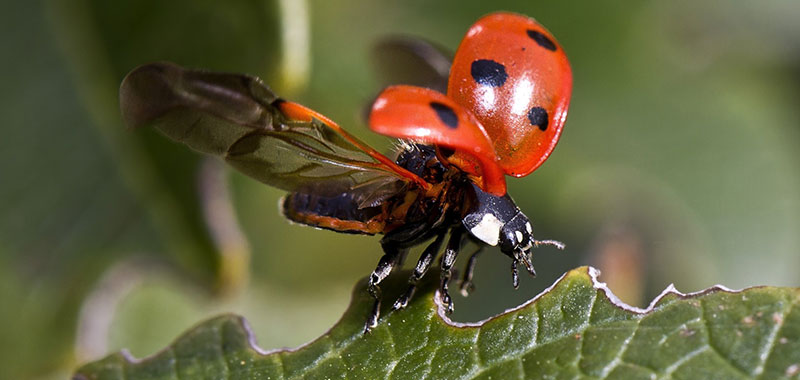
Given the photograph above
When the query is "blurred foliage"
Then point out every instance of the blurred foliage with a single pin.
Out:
(682, 147)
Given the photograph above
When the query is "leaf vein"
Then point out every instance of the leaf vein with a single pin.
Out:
(710, 342)
(682, 360)
(623, 349)
(222, 355)
(173, 363)
(769, 345)
(429, 362)
(335, 351)
(393, 364)
(283, 367)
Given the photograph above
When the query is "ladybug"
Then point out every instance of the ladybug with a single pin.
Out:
(508, 92)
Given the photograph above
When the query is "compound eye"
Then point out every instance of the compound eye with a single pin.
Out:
(510, 241)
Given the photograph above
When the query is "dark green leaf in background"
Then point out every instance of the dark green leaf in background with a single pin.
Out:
(103, 41)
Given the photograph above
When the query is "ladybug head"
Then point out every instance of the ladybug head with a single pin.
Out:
(516, 235)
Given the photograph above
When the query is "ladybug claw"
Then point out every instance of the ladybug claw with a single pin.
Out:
(402, 301)
(372, 319)
(466, 288)
(447, 302)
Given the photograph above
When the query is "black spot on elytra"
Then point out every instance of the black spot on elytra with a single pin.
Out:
(488, 72)
(445, 114)
(538, 117)
(542, 40)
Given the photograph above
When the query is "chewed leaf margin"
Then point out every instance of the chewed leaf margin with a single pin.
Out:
(575, 328)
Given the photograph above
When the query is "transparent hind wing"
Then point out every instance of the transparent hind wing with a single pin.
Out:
(238, 118)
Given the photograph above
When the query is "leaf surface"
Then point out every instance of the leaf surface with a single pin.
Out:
(576, 329)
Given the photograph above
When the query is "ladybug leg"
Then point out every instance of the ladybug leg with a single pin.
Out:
(524, 257)
(467, 286)
(391, 258)
(424, 263)
(515, 273)
(448, 258)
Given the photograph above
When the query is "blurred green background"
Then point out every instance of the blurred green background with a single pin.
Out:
(680, 163)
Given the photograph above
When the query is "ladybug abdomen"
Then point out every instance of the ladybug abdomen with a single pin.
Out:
(340, 213)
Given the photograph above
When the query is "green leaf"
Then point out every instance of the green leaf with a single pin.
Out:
(576, 329)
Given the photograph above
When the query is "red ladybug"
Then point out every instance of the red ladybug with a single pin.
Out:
(506, 103)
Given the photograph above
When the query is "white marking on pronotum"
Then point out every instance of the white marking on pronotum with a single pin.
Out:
(488, 229)
(528, 227)
(519, 236)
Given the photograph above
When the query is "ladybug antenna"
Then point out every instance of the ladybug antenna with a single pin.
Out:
(554, 243)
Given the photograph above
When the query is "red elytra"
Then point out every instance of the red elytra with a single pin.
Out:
(428, 116)
(515, 78)
(513, 83)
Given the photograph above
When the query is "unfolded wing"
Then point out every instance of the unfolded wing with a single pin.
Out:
(238, 118)
(412, 61)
